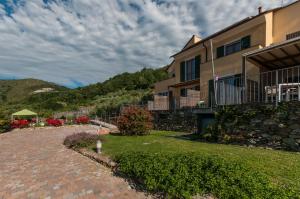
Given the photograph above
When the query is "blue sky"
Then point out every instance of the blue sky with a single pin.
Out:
(79, 42)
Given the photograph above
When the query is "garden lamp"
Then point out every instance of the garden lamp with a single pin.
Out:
(99, 146)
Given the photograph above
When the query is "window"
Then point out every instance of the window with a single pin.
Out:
(293, 35)
(163, 93)
(190, 69)
(183, 92)
(234, 47)
(246, 42)
(220, 52)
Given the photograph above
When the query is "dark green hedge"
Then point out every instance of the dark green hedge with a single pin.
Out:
(186, 175)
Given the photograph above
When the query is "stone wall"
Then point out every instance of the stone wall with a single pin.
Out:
(258, 125)
(183, 121)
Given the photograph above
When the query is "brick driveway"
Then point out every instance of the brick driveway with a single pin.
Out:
(35, 164)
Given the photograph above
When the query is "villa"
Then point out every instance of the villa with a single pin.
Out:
(254, 60)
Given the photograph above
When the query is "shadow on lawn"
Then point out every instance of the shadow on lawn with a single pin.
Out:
(190, 137)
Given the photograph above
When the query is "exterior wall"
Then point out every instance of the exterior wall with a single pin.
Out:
(163, 86)
(286, 21)
(232, 64)
(269, 28)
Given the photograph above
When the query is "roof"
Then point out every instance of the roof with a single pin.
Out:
(24, 112)
(283, 54)
(194, 36)
(233, 26)
(168, 66)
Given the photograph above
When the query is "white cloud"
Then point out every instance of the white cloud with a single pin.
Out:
(90, 40)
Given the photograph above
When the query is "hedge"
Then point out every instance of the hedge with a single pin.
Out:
(187, 175)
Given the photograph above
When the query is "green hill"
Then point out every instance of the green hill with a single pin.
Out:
(13, 91)
(121, 89)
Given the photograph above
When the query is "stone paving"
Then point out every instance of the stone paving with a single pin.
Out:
(35, 164)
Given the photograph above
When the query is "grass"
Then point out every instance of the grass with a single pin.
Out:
(282, 167)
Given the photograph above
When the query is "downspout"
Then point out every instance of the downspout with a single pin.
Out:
(206, 55)
(213, 70)
(206, 50)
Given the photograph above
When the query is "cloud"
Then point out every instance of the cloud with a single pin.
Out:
(78, 42)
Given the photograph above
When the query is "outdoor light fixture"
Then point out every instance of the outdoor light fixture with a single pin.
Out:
(99, 146)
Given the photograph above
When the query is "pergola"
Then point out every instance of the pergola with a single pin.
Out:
(278, 56)
(24, 113)
(280, 63)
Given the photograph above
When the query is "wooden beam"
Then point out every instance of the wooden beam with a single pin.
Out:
(283, 58)
(256, 60)
(276, 58)
(287, 54)
(261, 57)
(298, 48)
(266, 63)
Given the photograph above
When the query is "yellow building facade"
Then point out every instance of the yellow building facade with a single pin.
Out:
(195, 69)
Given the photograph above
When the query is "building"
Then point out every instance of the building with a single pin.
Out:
(254, 60)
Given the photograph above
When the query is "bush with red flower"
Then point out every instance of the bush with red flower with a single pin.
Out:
(82, 120)
(19, 124)
(135, 121)
(54, 122)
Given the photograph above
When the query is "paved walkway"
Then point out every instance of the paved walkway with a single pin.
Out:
(35, 164)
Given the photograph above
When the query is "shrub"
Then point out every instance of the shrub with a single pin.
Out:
(81, 140)
(54, 122)
(4, 126)
(186, 175)
(19, 124)
(135, 121)
(82, 120)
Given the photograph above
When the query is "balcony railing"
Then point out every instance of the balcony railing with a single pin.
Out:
(164, 103)
(267, 87)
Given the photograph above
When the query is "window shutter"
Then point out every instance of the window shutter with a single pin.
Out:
(182, 71)
(246, 42)
(220, 51)
(197, 66)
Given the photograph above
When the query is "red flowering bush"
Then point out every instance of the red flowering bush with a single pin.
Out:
(19, 124)
(82, 120)
(135, 121)
(54, 122)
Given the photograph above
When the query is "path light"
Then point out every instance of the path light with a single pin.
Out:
(99, 146)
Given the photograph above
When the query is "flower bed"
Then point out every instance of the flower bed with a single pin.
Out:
(54, 122)
(19, 124)
(82, 120)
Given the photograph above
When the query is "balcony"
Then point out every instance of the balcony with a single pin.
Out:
(164, 103)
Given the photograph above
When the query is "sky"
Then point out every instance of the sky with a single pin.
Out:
(80, 42)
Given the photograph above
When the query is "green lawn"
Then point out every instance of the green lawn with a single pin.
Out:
(281, 166)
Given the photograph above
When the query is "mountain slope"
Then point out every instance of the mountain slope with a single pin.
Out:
(13, 91)
(121, 89)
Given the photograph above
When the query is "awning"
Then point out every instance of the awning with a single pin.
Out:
(24, 112)
(281, 55)
(188, 83)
